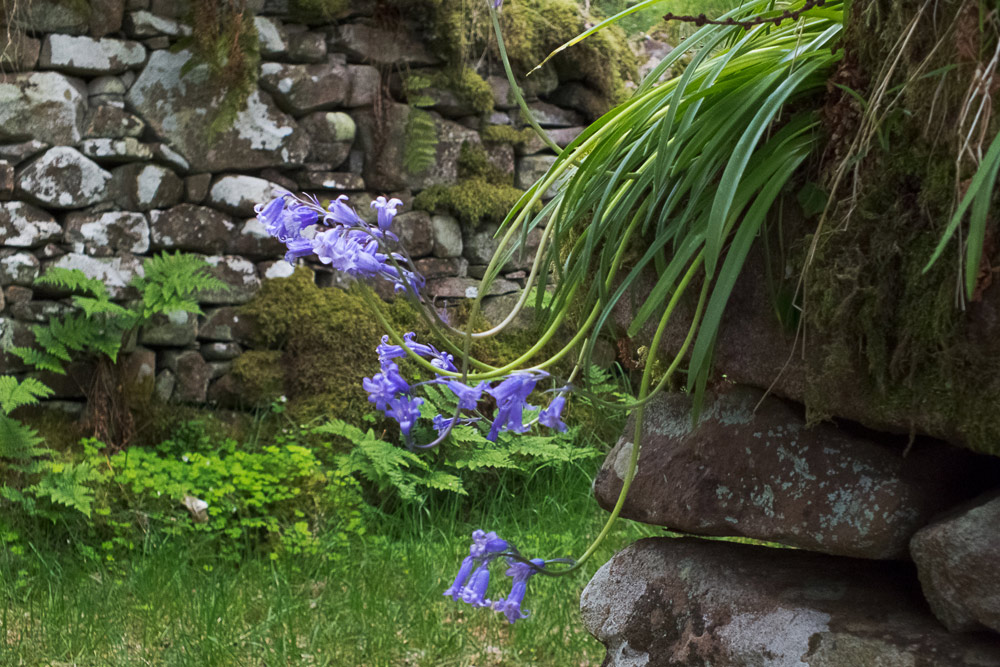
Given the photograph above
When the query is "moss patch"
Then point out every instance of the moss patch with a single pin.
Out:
(462, 30)
(881, 320)
(485, 192)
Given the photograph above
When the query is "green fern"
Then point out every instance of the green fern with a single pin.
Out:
(420, 150)
(67, 484)
(19, 443)
(173, 282)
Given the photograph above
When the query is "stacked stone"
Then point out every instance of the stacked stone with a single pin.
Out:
(106, 159)
(892, 539)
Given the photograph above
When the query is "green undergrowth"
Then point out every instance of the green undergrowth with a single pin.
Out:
(172, 602)
(878, 314)
(484, 193)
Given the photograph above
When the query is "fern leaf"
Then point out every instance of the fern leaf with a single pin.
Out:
(19, 442)
(66, 484)
(73, 280)
(14, 394)
(38, 359)
(420, 150)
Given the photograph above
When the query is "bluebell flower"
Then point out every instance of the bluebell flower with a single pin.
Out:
(342, 214)
(406, 411)
(300, 247)
(479, 582)
(387, 351)
(276, 218)
(386, 211)
(512, 398)
(520, 573)
(383, 387)
(550, 416)
(468, 397)
(455, 590)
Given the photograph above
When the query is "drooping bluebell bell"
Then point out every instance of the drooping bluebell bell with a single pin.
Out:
(406, 411)
(383, 386)
(468, 397)
(484, 548)
(386, 211)
(519, 572)
(512, 399)
(550, 416)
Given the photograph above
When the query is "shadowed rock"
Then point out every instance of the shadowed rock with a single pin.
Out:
(696, 603)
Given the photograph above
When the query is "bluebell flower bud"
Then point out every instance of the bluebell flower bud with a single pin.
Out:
(455, 590)
(475, 592)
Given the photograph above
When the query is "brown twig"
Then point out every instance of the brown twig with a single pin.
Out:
(702, 20)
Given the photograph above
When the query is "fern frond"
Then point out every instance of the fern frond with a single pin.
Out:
(38, 359)
(66, 484)
(172, 282)
(420, 150)
(18, 442)
(14, 394)
(73, 280)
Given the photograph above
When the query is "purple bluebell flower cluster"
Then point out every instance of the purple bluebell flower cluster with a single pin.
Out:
(393, 395)
(473, 579)
(339, 237)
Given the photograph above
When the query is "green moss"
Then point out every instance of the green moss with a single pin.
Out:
(226, 40)
(462, 31)
(881, 324)
(506, 134)
(321, 342)
(260, 374)
(318, 11)
(472, 201)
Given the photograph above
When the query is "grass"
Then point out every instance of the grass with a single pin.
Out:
(378, 603)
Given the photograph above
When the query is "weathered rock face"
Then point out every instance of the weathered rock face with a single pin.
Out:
(63, 178)
(763, 474)
(364, 43)
(239, 194)
(299, 89)
(177, 107)
(191, 228)
(665, 602)
(41, 106)
(115, 272)
(24, 226)
(385, 148)
(957, 560)
(114, 231)
(143, 187)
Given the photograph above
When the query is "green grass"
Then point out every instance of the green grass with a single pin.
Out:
(380, 603)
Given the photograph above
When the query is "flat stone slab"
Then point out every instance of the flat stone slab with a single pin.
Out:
(692, 603)
(958, 559)
(24, 226)
(763, 474)
(86, 55)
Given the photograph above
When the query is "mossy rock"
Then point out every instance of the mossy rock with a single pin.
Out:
(462, 30)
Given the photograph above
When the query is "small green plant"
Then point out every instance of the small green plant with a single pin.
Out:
(99, 327)
(421, 138)
(280, 497)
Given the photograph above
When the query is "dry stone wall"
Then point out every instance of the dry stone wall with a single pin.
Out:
(106, 158)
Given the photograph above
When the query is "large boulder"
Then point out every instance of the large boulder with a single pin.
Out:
(64, 178)
(94, 57)
(178, 105)
(670, 602)
(751, 467)
(44, 106)
(956, 559)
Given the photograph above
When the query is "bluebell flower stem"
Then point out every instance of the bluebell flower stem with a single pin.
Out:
(647, 376)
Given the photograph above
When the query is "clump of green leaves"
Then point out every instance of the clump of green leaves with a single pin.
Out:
(280, 497)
